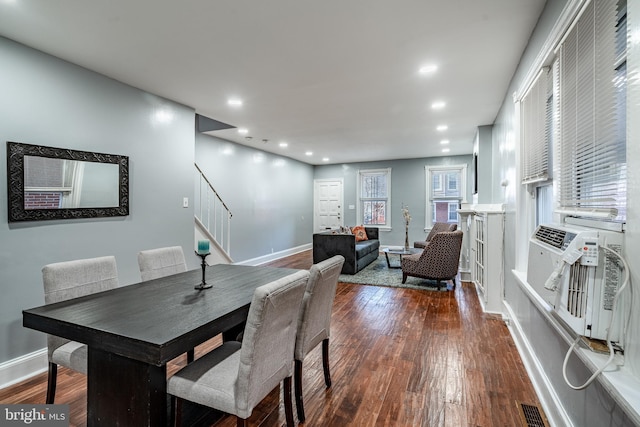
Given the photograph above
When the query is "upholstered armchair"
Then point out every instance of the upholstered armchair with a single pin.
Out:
(438, 227)
(438, 261)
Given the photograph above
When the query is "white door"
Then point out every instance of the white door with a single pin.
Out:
(327, 212)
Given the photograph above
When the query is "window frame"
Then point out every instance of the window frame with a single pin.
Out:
(447, 170)
(360, 200)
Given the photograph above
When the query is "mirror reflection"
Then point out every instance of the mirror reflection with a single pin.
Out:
(59, 183)
(63, 184)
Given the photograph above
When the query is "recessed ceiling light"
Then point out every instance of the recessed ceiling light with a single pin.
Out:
(243, 131)
(428, 69)
(442, 128)
(309, 153)
(444, 142)
(438, 105)
(325, 159)
(445, 150)
(283, 145)
(235, 102)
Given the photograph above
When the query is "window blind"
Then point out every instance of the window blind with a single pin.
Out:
(536, 129)
(592, 149)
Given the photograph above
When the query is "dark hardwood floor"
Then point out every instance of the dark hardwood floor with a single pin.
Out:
(399, 357)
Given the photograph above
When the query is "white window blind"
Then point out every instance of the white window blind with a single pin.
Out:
(592, 150)
(536, 108)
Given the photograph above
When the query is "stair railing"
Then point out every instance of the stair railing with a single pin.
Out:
(212, 212)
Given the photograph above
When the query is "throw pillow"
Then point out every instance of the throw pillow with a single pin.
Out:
(360, 233)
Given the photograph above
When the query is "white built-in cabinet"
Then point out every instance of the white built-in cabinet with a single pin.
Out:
(486, 255)
(466, 216)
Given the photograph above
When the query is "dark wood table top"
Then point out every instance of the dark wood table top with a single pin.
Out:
(157, 320)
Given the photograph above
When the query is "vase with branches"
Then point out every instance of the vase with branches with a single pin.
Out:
(407, 220)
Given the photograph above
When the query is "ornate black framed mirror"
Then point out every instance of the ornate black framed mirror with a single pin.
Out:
(56, 183)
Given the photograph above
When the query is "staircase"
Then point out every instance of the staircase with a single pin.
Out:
(212, 220)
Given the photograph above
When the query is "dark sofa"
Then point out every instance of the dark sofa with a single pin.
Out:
(357, 255)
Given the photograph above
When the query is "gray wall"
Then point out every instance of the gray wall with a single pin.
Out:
(485, 163)
(50, 102)
(408, 186)
(270, 197)
(593, 406)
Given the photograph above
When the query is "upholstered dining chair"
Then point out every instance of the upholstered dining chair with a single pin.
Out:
(438, 261)
(315, 321)
(63, 281)
(438, 227)
(161, 262)
(235, 377)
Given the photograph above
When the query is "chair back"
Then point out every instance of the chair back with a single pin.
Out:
(314, 321)
(439, 227)
(441, 257)
(73, 279)
(266, 356)
(161, 262)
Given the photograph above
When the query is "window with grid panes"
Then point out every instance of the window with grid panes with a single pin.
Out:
(374, 195)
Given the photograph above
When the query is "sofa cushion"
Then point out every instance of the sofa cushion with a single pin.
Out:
(366, 247)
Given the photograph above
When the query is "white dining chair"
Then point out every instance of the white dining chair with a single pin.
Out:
(314, 322)
(63, 281)
(235, 377)
(161, 262)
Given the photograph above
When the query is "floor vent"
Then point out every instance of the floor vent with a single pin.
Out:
(532, 416)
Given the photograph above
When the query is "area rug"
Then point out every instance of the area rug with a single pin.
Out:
(377, 273)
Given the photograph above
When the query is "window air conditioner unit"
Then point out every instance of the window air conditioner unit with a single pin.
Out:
(588, 277)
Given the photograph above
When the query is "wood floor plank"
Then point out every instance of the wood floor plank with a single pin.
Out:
(398, 357)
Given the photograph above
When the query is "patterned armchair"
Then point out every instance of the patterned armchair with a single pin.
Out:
(438, 227)
(438, 261)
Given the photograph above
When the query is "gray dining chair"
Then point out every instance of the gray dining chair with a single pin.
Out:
(161, 262)
(63, 281)
(235, 377)
(314, 322)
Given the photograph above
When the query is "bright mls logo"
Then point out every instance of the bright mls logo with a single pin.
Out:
(35, 415)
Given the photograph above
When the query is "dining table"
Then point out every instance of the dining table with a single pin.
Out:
(132, 331)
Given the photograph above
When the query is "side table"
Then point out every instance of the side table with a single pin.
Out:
(398, 251)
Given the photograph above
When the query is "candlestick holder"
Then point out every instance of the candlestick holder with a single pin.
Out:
(203, 284)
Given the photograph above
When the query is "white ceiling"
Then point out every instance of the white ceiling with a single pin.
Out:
(336, 77)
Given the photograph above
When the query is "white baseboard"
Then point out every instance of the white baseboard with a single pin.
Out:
(549, 400)
(23, 367)
(276, 255)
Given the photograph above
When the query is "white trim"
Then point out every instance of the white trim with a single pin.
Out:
(21, 368)
(429, 199)
(555, 413)
(621, 386)
(359, 218)
(275, 256)
(557, 33)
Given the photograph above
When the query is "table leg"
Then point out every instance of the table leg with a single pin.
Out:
(386, 255)
(123, 391)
